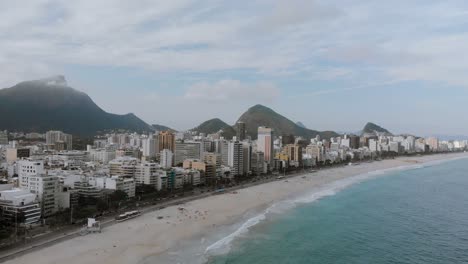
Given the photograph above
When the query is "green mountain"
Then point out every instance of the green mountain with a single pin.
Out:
(50, 104)
(371, 128)
(215, 125)
(162, 128)
(260, 115)
(301, 124)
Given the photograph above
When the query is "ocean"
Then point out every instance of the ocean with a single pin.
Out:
(416, 215)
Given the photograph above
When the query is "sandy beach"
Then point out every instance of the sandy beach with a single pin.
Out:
(198, 227)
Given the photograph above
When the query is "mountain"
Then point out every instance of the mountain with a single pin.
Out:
(260, 115)
(215, 125)
(162, 128)
(373, 129)
(50, 104)
(300, 124)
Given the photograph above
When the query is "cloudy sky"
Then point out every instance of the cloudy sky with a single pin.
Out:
(331, 64)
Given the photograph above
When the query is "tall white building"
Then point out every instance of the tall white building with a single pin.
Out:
(27, 169)
(265, 143)
(31, 177)
(345, 142)
(150, 146)
(148, 174)
(374, 145)
(166, 159)
(433, 144)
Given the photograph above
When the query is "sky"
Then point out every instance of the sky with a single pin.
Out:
(333, 65)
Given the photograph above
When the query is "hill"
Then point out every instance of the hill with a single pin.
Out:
(50, 104)
(373, 129)
(162, 128)
(260, 115)
(301, 124)
(216, 125)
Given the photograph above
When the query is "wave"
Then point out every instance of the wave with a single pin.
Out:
(223, 245)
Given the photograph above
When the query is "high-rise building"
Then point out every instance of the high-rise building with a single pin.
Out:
(147, 174)
(14, 154)
(433, 144)
(208, 170)
(166, 158)
(374, 145)
(207, 146)
(316, 152)
(28, 168)
(224, 152)
(236, 158)
(167, 141)
(212, 159)
(354, 142)
(294, 152)
(257, 163)
(4, 137)
(240, 131)
(186, 150)
(247, 157)
(265, 143)
(150, 146)
(52, 137)
(46, 188)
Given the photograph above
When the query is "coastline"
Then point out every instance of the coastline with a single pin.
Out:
(212, 222)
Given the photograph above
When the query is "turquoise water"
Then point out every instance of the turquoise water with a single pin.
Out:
(413, 216)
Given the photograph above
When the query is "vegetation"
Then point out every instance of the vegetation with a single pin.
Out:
(162, 128)
(371, 128)
(215, 125)
(260, 115)
(37, 106)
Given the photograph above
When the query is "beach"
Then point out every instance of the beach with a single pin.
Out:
(206, 226)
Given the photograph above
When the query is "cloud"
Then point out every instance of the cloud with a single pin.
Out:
(233, 91)
(300, 44)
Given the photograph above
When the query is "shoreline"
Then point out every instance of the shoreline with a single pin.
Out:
(207, 221)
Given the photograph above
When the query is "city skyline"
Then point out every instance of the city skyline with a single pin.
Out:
(341, 64)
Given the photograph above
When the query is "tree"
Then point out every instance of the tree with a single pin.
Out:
(145, 188)
(5, 228)
(102, 205)
(116, 198)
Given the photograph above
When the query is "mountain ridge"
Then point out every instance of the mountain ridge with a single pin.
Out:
(374, 129)
(50, 104)
(259, 115)
(158, 127)
(215, 125)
